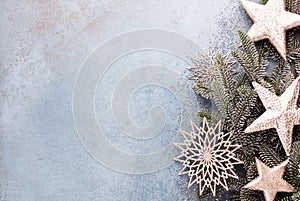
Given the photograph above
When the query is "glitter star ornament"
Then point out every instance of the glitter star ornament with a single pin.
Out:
(207, 156)
(271, 22)
(270, 180)
(281, 113)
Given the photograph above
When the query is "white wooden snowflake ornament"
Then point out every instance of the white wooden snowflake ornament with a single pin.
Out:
(207, 155)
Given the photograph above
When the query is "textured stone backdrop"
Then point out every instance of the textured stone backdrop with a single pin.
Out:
(44, 44)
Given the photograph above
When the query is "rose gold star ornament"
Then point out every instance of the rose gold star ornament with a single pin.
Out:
(271, 22)
(270, 180)
(281, 113)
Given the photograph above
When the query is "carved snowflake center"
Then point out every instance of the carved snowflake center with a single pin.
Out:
(207, 156)
(209, 74)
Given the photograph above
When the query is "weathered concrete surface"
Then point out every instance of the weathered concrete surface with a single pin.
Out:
(43, 46)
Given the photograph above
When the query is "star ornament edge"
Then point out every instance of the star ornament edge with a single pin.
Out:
(283, 119)
(199, 158)
(272, 12)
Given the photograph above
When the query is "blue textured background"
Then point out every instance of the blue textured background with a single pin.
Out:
(43, 45)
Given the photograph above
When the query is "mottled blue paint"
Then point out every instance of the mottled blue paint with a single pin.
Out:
(43, 44)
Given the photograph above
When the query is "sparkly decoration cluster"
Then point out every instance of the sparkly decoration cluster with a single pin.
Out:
(207, 154)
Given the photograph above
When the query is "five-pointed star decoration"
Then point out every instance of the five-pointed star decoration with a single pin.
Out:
(281, 113)
(270, 180)
(271, 22)
(207, 156)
